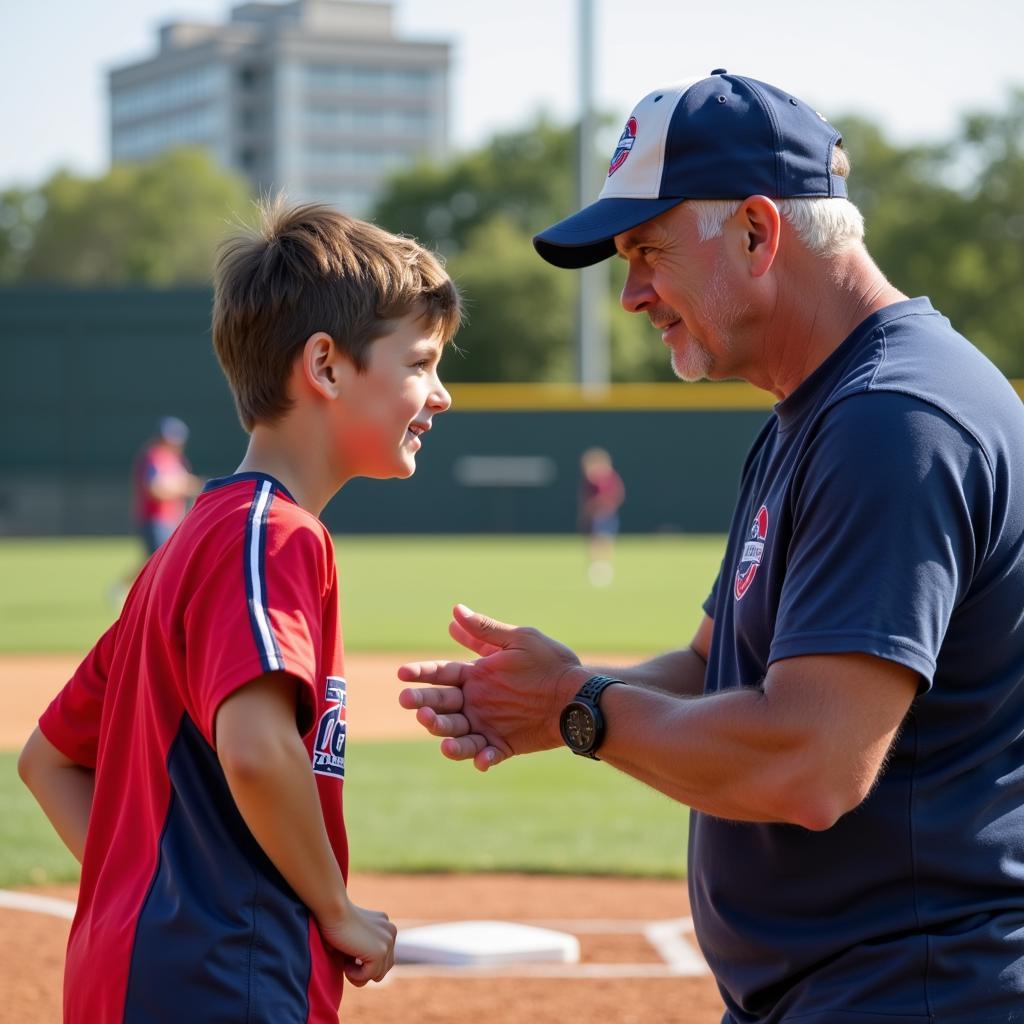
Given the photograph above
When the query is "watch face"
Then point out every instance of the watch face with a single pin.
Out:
(578, 727)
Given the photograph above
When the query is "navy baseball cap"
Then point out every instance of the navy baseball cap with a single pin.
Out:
(720, 137)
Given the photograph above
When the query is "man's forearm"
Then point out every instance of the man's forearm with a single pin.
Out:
(678, 672)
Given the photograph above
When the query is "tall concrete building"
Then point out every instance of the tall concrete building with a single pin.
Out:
(315, 97)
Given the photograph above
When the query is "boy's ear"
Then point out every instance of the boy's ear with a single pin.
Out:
(321, 364)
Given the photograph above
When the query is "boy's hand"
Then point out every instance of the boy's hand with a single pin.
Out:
(367, 937)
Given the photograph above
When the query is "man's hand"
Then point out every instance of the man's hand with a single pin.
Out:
(367, 937)
(505, 702)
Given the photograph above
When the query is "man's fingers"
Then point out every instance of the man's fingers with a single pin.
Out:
(442, 725)
(462, 636)
(482, 628)
(445, 673)
(462, 748)
(443, 700)
(488, 757)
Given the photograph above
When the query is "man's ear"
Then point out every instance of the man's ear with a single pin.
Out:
(320, 365)
(759, 221)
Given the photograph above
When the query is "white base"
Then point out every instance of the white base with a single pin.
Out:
(484, 944)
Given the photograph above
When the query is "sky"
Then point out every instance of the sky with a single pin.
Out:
(915, 66)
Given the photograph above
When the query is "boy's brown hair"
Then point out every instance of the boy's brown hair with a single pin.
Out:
(310, 268)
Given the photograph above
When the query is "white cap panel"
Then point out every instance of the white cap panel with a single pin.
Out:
(636, 165)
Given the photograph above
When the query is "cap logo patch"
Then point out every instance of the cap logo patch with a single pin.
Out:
(753, 552)
(625, 144)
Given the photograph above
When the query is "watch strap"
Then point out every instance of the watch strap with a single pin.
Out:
(592, 689)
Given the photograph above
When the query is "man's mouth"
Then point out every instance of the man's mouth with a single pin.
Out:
(667, 327)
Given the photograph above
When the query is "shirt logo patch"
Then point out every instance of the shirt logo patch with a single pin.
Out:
(329, 746)
(753, 552)
(624, 146)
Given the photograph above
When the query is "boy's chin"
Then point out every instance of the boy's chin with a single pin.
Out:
(401, 469)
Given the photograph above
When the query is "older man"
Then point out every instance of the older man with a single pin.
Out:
(848, 721)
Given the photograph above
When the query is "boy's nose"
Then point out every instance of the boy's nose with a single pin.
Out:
(440, 399)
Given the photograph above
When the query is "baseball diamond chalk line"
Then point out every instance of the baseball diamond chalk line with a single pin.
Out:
(680, 958)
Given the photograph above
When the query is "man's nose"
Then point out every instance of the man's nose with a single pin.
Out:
(637, 293)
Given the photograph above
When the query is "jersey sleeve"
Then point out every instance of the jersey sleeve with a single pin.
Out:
(889, 508)
(259, 610)
(72, 721)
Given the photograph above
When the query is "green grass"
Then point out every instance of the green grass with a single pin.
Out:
(410, 810)
(30, 852)
(397, 592)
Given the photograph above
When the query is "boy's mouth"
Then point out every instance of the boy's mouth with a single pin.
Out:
(416, 430)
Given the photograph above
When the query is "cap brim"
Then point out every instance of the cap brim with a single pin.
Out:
(588, 237)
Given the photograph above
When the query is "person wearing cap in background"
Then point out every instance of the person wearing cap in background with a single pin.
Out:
(846, 723)
(163, 483)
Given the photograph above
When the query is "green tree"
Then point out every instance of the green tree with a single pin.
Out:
(947, 221)
(525, 176)
(154, 223)
(481, 211)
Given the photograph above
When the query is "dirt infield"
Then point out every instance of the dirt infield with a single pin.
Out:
(623, 978)
(639, 962)
(29, 681)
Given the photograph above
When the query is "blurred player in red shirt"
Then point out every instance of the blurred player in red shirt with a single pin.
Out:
(163, 483)
(195, 761)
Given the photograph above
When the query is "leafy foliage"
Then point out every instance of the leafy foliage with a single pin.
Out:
(155, 223)
(945, 221)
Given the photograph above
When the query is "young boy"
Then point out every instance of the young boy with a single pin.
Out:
(194, 762)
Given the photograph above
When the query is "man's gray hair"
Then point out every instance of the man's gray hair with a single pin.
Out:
(825, 226)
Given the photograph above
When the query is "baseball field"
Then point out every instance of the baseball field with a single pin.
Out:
(550, 840)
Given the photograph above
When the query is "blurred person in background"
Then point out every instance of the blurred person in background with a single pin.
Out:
(163, 483)
(601, 494)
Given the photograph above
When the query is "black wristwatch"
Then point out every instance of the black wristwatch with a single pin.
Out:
(581, 721)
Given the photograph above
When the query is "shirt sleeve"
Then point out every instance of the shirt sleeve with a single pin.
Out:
(72, 721)
(259, 610)
(711, 600)
(889, 507)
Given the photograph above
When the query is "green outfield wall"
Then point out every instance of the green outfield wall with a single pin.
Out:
(87, 374)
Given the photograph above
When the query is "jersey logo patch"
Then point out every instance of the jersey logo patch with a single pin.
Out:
(624, 146)
(329, 745)
(753, 552)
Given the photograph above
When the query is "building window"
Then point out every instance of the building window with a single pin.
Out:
(348, 120)
(185, 88)
(368, 81)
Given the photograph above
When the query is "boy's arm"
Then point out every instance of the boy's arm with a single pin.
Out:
(268, 771)
(62, 787)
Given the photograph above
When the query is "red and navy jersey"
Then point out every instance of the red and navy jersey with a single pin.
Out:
(181, 915)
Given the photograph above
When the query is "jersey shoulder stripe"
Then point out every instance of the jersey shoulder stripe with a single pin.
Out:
(255, 555)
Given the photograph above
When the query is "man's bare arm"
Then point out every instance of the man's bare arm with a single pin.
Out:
(677, 672)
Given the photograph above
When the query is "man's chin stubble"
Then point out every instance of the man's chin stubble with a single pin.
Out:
(693, 365)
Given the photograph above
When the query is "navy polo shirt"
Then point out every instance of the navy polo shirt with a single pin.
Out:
(881, 511)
